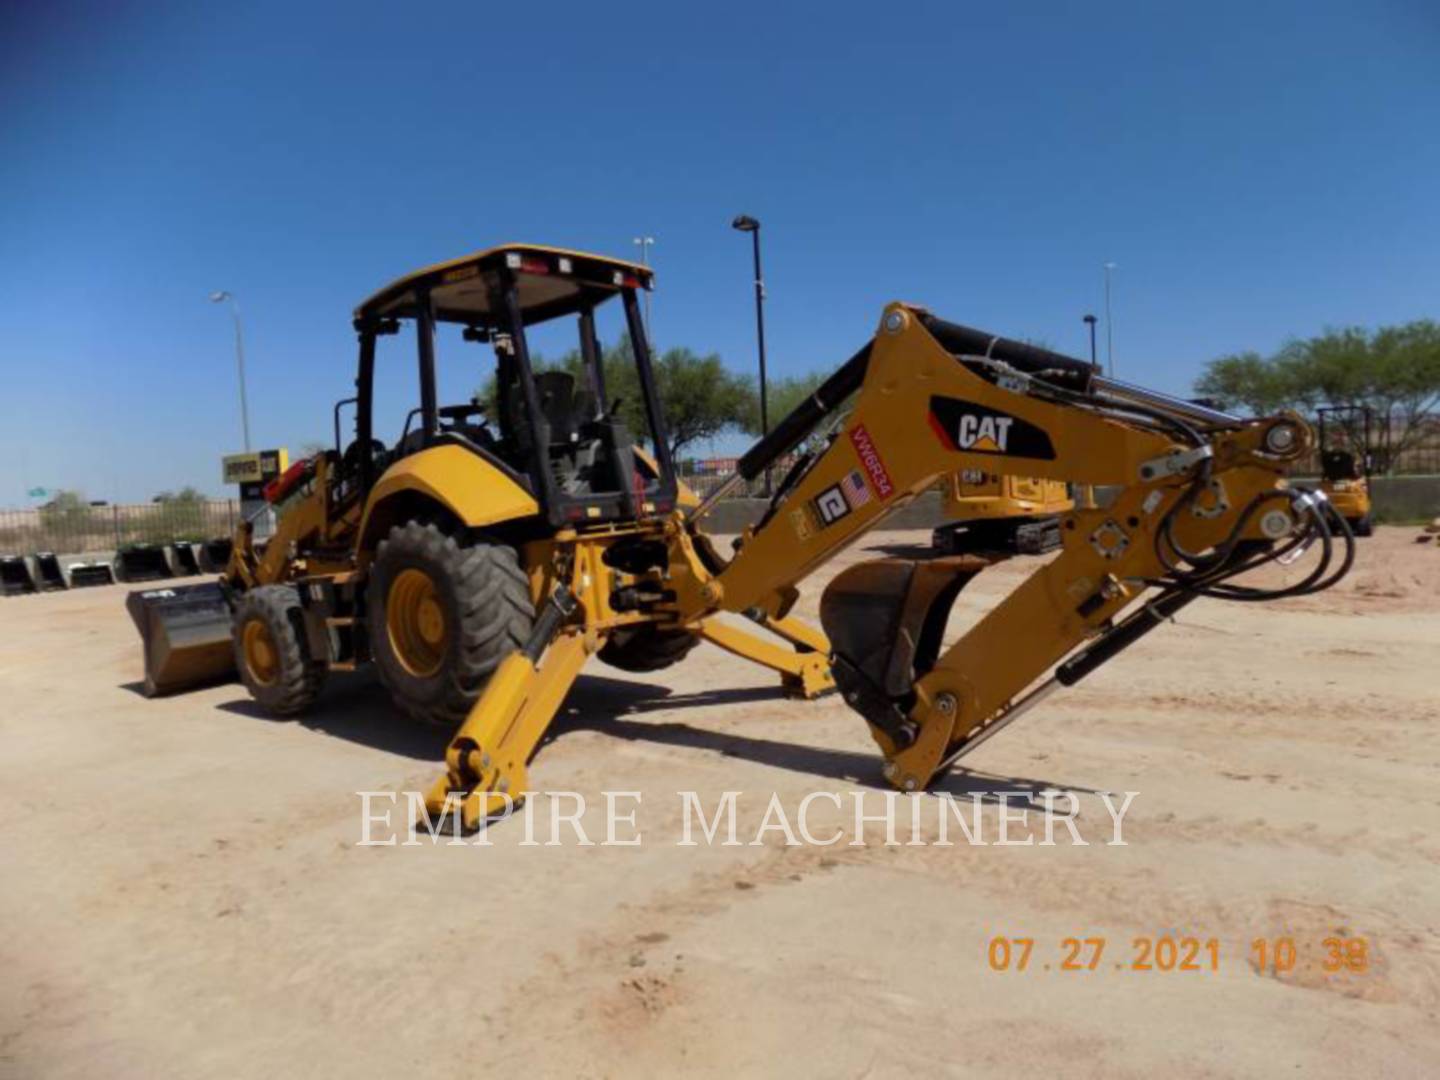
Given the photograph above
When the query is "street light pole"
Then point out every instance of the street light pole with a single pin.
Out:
(745, 223)
(644, 243)
(1109, 322)
(1090, 322)
(219, 298)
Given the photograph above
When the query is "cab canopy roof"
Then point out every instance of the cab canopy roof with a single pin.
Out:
(550, 281)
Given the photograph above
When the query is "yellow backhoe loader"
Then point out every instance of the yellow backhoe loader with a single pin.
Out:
(467, 560)
(430, 557)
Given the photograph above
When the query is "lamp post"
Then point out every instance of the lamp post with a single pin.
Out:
(219, 298)
(1090, 322)
(745, 223)
(1109, 322)
(644, 243)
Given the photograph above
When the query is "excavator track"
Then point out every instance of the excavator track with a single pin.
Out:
(999, 536)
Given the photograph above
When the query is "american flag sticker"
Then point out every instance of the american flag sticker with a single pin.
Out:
(857, 492)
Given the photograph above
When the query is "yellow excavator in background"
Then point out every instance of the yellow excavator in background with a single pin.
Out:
(992, 512)
(493, 564)
(1347, 458)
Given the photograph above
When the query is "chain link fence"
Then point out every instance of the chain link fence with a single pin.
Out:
(78, 528)
(1420, 458)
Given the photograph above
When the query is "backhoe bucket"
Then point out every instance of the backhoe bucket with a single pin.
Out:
(886, 621)
(186, 636)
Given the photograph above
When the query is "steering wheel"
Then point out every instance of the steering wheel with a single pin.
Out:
(460, 412)
(350, 460)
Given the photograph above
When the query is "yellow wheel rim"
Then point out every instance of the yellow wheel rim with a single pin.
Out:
(415, 622)
(262, 658)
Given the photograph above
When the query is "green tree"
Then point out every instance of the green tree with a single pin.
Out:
(67, 521)
(699, 396)
(1245, 380)
(1394, 370)
(176, 515)
(784, 396)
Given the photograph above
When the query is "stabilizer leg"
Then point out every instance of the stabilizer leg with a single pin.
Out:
(804, 670)
(485, 762)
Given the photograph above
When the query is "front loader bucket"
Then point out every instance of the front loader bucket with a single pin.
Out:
(186, 635)
(50, 577)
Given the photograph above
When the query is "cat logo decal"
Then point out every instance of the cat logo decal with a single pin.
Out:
(978, 429)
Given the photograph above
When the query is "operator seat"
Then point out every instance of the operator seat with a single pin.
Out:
(556, 391)
(575, 445)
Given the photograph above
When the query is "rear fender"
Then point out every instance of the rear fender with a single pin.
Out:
(469, 489)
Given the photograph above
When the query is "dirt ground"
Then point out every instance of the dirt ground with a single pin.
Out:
(184, 895)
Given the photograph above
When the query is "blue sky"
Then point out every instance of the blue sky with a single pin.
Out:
(1257, 170)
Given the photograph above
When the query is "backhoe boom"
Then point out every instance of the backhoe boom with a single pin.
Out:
(1198, 497)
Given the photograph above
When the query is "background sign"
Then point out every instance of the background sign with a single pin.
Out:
(258, 467)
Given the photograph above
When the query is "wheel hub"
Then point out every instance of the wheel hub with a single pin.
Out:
(415, 623)
(261, 655)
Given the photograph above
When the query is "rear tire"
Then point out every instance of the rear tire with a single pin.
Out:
(441, 617)
(1364, 526)
(646, 648)
(268, 635)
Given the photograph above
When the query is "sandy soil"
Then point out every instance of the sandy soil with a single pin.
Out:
(183, 894)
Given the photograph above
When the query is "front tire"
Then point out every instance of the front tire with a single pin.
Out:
(441, 616)
(268, 635)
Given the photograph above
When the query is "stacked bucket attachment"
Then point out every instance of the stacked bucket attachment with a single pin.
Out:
(48, 575)
(83, 575)
(186, 636)
(15, 579)
(215, 555)
(184, 559)
(143, 562)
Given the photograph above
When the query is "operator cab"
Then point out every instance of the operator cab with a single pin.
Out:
(554, 432)
(1345, 442)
